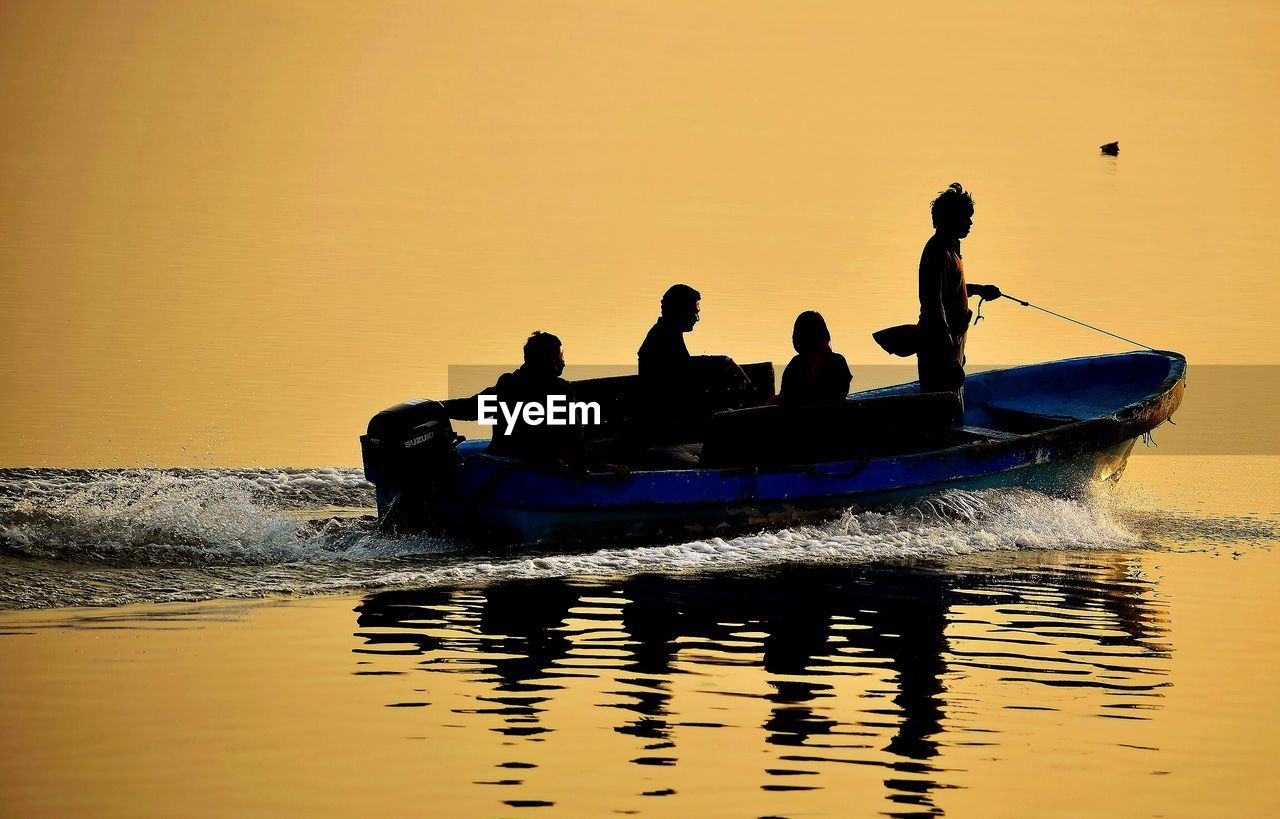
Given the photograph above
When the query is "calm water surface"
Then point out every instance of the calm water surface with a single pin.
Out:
(997, 675)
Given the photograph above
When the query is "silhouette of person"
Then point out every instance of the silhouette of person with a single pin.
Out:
(816, 374)
(944, 295)
(539, 377)
(681, 390)
(664, 360)
(525, 615)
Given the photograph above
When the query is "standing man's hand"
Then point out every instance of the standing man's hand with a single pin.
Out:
(986, 292)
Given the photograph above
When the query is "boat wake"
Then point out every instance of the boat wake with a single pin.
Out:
(110, 537)
(184, 517)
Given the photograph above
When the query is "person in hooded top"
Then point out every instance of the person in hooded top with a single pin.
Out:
(816, 374)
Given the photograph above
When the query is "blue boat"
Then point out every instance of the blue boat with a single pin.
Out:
(1055, 427)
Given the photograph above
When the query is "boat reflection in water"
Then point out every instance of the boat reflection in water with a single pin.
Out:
(849, 666)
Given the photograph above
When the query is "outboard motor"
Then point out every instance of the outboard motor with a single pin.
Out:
(410, 453)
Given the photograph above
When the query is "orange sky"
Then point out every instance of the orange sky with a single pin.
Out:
(231, 231)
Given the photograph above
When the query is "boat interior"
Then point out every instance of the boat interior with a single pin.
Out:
(746, 430)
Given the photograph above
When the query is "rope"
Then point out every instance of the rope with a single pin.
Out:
(1074, 321)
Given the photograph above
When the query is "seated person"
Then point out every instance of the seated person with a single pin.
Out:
(682, 389)
(816, 375)
(539, 377)
(664, 359)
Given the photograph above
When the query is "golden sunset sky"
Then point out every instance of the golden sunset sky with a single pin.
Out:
(231, 231)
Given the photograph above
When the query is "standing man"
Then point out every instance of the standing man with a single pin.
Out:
(944, 295)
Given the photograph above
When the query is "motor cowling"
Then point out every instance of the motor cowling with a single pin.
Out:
(410, 452)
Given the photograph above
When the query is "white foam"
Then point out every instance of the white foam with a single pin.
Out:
(185, 517)
(185, 535)
(945, 525)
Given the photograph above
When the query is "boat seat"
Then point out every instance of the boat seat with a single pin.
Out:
(1022, 420)
(839, 431)
(624, 406)
(984, 433)
(677, 456)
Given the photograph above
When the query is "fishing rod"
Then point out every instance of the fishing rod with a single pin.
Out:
(1025, 303)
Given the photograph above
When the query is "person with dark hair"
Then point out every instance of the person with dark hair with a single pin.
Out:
(816, 374)
(663, 357)
(680, 391)
(533, 382)
(944, 295)
(545, 352)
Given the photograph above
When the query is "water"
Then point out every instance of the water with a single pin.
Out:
(289, 216)
(988, 654)
(111, 537)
